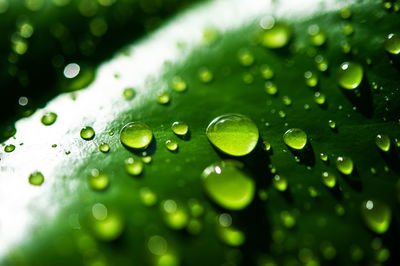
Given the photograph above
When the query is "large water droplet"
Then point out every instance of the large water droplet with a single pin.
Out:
(350, 75)
(136, 135)
(392, 44)
(295, 138)
(87, 133)
(383, 142)
(36, 179)
(377, 215)
(228, 185)
(234, 134)
(344, 165)
(48, 118)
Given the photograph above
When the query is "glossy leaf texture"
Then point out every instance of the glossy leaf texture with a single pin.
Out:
(161, 215)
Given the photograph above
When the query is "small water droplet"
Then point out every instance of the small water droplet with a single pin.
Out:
(324, 157)
(392, 44)
(332, 124)
(109, 228)
(228, 185)
(147, 196)
(286, 100)
(319, 98)
(267, 72)
(180, 128)
(231, 236)
(174, 213)
(136, 135)
(234, 134)
(270, 88)
(276, 36)
(36, 179)
(147, 159)
(328, 179)
(129, 93)
(157, 245)
(322, 63)
(288, 219)
(311, 79)
(104, 147)
(133, 166)
(98, 180)
(295, 138)
(280, 183)
(383, 142)
(171, 145)
(345, 13)
(178, 84)
(316, 36)
(348, 28)
(48, 118)
(377, 215)
(266, 146)
(163, 98)
(350, 75)
(246, 58)
(344, 165)
(87, 133)
(9, 148)
(205, 75)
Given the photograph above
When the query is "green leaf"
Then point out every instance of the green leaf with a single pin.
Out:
(157, 217)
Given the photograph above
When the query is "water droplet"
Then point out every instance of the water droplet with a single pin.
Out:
(171, 145)
(270, 88)
(133, 167)
(178, 84)
(345, 13)
(316, 36)
(180, 128)
(319, 98)
(392, 44)
(48, 118)
(205, 75)
(246, 58)
(194, 227)
(36, 179)
(163, 98)
(109, 228)
(282, 114)
(136, 135)
(234, 134)
(344, 165)
(104, 147)
(98, 180)
(348, 28)
(295, 138)
(168, 260)
(267, 72)
(322, 63)
(288, 219)
(147, 159)
(231, 236)
(196, 209)
(280, 183)
(9, 148)
(157, 245)
(332, 124)
(266, 146)
(175, 215)
(377, 215)
(129, 93)
(147, 196)
(87, 133)
(350, 75)
(286, 100)
(71, 70)
(228, 185)
(328, 179)
(276, 36)
(383, 142)
(324, 157)
(311, 79)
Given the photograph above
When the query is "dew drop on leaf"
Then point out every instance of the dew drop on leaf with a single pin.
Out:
(280, 183)
(383, 142)
(228, 185)
(171, 145)
(133, 166)
(344, 165)
(36, 179)
(48, 118)
(276, 36)
(328, 179)
(377, 215)
(392, 44)
(98, 180)
(295, 138)
(104, 147)
(136, 135)
(233, 134)
(180, 128)
(9, 148)
(350, 75)
(87, 133)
